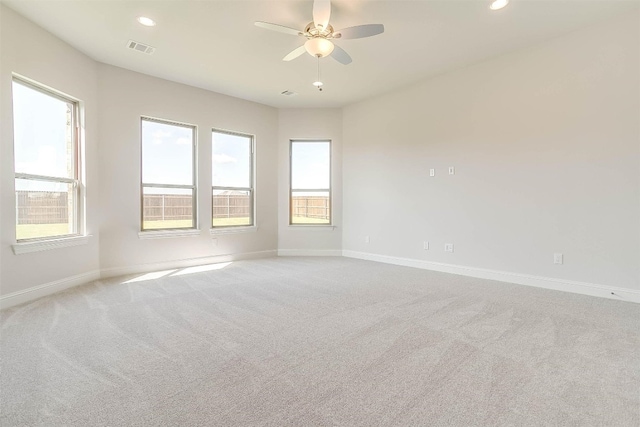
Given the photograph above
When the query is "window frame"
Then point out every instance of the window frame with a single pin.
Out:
(329, 190)
(194, 179)
(79, 191)
(251, 190)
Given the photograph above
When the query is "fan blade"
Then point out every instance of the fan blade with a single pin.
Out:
(321, 13)
(340, 55)
(359, 31)
(295, 53)
(279, 28)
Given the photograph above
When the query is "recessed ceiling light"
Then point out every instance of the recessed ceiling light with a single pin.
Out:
(147, 22)
(498, 4)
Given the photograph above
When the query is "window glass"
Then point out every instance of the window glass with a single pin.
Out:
(168, 153)
(43, 133)
(232, 194)
(168, 181)
(46, 163)
(231, 160)
(310, 196)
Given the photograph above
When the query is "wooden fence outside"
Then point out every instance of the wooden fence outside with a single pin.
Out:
(311, 207)
(39, 207)
(231, 206)
(42, 207)
(161, 207)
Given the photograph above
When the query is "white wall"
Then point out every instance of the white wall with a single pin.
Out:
(125, 96)
(309, 124)
(30, 51)
(546, 146)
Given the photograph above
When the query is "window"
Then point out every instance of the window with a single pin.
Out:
(310, 195)
(232, 195)
(47, 163)
(168, 175)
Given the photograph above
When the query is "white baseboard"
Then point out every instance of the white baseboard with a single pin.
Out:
(583, 288)
(40, 291)
(309, 252)
(191, 262)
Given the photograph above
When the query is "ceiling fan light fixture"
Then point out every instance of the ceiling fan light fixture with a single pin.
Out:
(319, 47)
(317, 84)
(498, 4)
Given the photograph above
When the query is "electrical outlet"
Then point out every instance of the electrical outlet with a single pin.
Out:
(448, 247)
(214, 242)
(432, 172)
(367, 239)
(452, 170)
(425, 245)
(557, 258)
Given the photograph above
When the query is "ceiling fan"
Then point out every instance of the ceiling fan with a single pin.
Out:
(319, 34)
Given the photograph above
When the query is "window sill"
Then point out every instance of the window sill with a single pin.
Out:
(164, 234)
(233, 230)
(307, 227)
(45, 245)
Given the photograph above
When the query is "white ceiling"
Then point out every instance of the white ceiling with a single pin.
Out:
(215, 45)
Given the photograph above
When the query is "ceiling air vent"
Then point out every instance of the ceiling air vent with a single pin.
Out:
(141, 47)
(288, 93)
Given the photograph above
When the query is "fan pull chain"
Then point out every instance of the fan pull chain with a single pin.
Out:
(318, 83)
(320, 86)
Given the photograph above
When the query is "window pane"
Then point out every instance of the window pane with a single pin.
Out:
(44, 209)
(231, 207)
(310, 165)
(167, 208)
(167, 153)
(231, 160)
(43, 133)
(310, 207)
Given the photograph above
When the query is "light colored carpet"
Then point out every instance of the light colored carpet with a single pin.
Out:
(319, 342)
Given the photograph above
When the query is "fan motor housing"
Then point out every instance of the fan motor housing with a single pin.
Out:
(311, 31)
